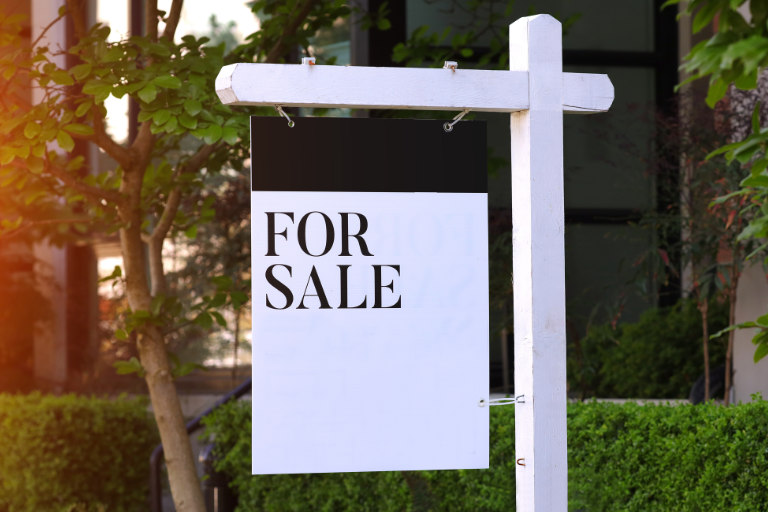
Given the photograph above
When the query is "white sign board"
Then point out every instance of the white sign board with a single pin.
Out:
(370, 307)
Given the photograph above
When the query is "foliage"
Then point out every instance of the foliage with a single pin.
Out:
(695, 233)
(636, 458)
(736, 55)
(620, 457)
(656, 357)
(74, 453)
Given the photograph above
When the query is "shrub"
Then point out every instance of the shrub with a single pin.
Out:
(620, 457)
(659, 356)
(74, 453)
(638, 458)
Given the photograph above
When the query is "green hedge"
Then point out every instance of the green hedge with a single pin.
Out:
(74, 453)
(659, 356)
(620, 457)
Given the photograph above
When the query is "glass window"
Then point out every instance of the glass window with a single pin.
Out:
(607, 155)
(625, 25)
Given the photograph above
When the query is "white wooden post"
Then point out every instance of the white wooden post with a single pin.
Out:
(536, 93)
(538, 261)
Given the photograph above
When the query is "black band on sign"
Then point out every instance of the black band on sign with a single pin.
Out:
(367, 155)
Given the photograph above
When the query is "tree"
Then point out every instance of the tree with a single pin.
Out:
(734, 57)
(709, 250)
(185, 134)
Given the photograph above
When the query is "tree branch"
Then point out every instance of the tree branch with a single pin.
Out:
(44, 222)
(51, 24)
(95, 194)
(141, 148)
(150, 19)
(194, 164)
(155, 240)
(172, 21)
(280, 46)
(104, 141)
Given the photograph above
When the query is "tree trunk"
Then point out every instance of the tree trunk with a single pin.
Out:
(703, 306)
(185, 485)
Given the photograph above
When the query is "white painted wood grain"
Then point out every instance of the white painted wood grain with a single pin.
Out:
(539, 267)
(296, 85)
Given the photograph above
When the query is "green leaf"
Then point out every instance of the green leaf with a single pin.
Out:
(717, 89)
(212, 134)
(75, 163)
(62, 78)
(32, 130)
(117, 272)
(704, 16)
(7, 155)
(218, 300)
(762, 320)
(35, 165)
(127, 367)
(222, 282)
(121, 334)
(79, 129)
(148, 93)
(756, 117)
(167, 82)
(204, 320)
(160, 117)
(229, 135)
(193, 107)
(145, 115)
(171, 125)
(186, 369)
(762, 350)
(65, 141)
(219, 318)
(81, 71)
(759, 166)
(191, 232)
(83, 108)
(188, 121)
(755, 181)
(99, 90)
(238, 299)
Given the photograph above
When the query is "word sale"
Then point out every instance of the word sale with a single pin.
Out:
(281, 277)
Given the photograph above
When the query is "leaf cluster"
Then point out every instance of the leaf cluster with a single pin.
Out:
(736, 55)
(737, 51)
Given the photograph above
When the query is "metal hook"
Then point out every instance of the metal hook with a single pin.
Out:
(282, 113)
(448, 127)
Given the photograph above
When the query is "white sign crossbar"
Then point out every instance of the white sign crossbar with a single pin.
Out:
(307, 85)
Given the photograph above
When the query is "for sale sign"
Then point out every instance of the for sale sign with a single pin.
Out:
(370, 295)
